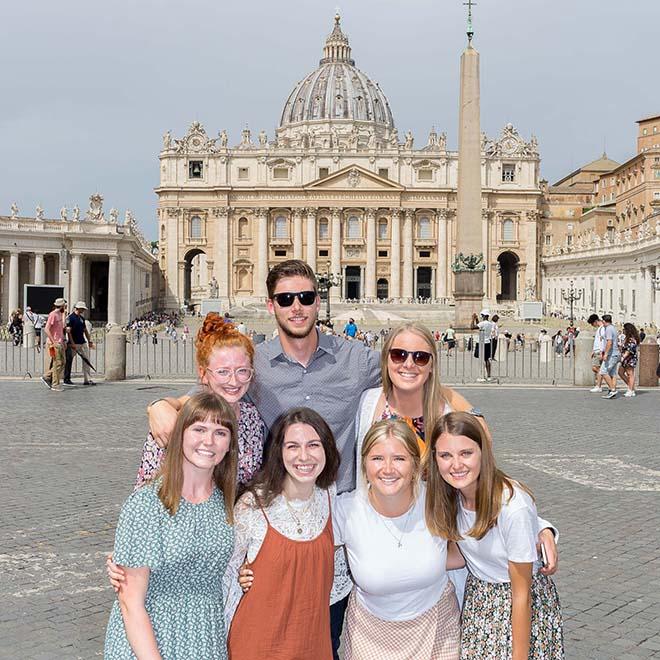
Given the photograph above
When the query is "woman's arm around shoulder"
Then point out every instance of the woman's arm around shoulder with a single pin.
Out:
(162, 415)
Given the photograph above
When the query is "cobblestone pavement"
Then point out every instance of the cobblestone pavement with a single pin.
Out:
(70, 459)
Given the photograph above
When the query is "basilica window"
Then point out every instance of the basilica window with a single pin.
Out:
(243, 173)
(324, 231)
(195, 169)
(195, 227)
(508, 230)
(354, 227)
(323, 172)
(323, 253)
(548, 239)
(383, 172)
(382, 229)
(424, 254)
(280, 230)
(508, 173)
(280, 173)
(424, 229)
(243, 228)
(382, 253)
(424, 175)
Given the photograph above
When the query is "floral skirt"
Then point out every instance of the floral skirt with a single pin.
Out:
(486, 621)
(433, 635)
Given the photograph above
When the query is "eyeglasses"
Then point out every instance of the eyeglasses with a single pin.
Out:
(399, 356)
(286, 299)
(243, 374)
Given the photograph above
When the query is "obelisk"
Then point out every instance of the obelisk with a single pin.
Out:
(468, 265)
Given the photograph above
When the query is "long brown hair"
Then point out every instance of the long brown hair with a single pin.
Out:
(199, 408)
(433, 396)
(441, 507)
(269, 482)
(630, 331)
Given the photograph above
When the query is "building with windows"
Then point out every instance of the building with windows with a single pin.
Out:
(96, 258)
(601, 231)
(339, 187)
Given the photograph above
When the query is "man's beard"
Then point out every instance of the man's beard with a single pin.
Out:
(298, 333)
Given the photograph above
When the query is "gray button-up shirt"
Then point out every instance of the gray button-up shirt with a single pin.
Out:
(331, 384)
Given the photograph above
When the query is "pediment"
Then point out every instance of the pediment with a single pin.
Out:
(354, 177)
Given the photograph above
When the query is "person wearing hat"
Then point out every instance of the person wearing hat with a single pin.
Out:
(79, 341)
(485, 335)
(54, 329)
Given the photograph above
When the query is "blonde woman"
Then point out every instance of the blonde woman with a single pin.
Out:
(402, 605)
(174, 540)
(511, 608)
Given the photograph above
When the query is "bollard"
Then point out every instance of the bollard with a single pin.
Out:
(115, 354)
(582, 374)
(648, 363)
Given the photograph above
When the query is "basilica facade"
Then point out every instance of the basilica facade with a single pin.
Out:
(341, 188)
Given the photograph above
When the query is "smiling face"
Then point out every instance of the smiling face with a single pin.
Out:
(231, 358)
(303, 454)
(389, 468)
(459, 462)
(298, 320)
(407, 376)
(205, 444)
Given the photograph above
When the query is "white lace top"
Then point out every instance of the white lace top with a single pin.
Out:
(250, 531)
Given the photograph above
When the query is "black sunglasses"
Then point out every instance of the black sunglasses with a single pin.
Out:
(286, 299)
(399, 356)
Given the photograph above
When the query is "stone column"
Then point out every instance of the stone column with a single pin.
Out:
(262, 253)
(335, 250)
(173, 294)
(76, 279)
(221, 252)
(441, 270)
(407, 291)
(370, 271)
(13, 283)
(113, 282)
(645, 314)
(297, 234)
(39, 268)
(395, 254)
(311, 238)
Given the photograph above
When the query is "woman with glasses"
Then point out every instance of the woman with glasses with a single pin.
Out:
(411, 385)
(225, 367)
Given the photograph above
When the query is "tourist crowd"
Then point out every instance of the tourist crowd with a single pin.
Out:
(310, 487)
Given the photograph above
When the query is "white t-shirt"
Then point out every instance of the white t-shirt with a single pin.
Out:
(485, 327)
(393, 583)
(599, 341)
(512, 539)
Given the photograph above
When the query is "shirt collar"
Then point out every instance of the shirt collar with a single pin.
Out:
(325, 344)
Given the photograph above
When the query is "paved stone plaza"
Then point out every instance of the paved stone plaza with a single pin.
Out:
(70, 460)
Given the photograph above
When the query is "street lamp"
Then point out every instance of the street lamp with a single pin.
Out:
(325, 282)
(572, 297)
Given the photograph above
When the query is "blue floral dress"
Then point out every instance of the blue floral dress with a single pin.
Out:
(187, 555)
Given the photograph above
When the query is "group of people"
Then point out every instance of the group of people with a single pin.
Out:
(310, 490)
(614, 353)
(67, 336)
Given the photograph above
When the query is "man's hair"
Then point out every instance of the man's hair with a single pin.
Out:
(592, 319)
(289, 268)
(607, 318)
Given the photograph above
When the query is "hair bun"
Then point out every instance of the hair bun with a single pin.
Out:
(216, 325)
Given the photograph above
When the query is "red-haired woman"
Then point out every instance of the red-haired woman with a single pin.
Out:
(225, 360)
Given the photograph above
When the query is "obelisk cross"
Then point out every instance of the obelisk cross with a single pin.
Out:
(470, 32)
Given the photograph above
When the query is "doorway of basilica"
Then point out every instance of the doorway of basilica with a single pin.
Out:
(194, 275)
(353, 283)
(508, 263)
(382, 289)
(424, 276)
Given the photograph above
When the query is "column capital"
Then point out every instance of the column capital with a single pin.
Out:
(486, 213)
(297, 213)
(441, 214)
(262, 213)
(336, 213)
(311, 212)
(395, 212)
(371, 214)
(221, 211)
(409, 213)
(173, 211)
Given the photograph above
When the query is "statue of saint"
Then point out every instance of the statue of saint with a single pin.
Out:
(214, 288)
(64, 214)
(409, 140)
(167, 141)
(222, 136)
(14, 210)
(76, 213)
(263, 139)
(40, 213)
(114, 214)
(442, 141)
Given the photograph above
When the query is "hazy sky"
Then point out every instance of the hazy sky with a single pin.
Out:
(88, 88)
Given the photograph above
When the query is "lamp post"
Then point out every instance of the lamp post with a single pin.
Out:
(572, 297)
(325, 282)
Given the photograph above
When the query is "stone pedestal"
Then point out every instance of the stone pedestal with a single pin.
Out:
(648, 363)
(468, 297)
(214, 305)
(115, 354)
(583, 375)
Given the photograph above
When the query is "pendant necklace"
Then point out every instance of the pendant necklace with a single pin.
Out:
(304, 511)
(399, 540)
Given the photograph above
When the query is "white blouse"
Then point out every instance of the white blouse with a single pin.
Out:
(250, 531)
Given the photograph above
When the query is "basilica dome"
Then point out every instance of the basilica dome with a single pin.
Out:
(337, 92)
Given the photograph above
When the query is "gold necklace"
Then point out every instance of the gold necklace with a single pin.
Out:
(304, 511)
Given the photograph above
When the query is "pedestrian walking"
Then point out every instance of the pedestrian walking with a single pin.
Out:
(79, 341)
(450, 338)
(37, 322)
(494, 337)
(350, 329)
(597, 351)
(629, 356)
(55, 333)
(15, 327)
(610, 356)
(485, 328)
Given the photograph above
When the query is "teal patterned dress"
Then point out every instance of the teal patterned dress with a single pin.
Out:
(187, 555)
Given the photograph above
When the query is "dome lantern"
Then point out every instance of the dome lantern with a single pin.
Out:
(337, 48)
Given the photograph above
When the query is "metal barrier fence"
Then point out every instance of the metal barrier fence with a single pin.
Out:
(530, 363)
(29, 360)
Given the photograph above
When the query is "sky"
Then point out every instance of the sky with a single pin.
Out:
(88, 87)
